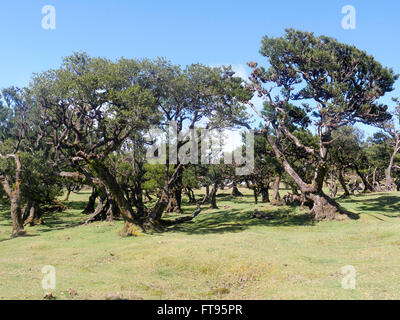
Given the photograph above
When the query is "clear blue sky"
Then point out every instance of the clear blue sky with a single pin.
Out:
(211, 32)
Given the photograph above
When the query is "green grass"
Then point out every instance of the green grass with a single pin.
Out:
(222, 254)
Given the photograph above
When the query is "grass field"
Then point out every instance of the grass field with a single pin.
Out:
(222, 254)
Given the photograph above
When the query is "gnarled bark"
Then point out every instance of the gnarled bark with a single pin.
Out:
(276, 196)
(16, 217)
(213, 196)
(343, 183)
(15, 195)
(133, 220)
(367, 186)
(32, 214)
(321, 205)
(389, 184)
(101, 210)
(90, 206)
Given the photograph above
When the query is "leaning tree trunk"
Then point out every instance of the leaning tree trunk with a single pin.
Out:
(332, 188)
(264, 193)
(235, 190)
(27, 210)
(276, 196)
(178, 200)
(101, 210)
(367, 185)
(375, 183)
(113, 211)
(32, 214)
(175, 196)
(213, 196)
(16, 216)
(90, 206)
(175, 203)
(255, 194)
(389, 184)
(69, 190)
(133, 220)
(343, 183)
(332, 184)
(207, 195)
(322, 207)
(15, 195)
(155, 214)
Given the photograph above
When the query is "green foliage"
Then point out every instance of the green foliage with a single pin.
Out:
(344, 80)
(98, 102)
(40, 181)
(346, 148)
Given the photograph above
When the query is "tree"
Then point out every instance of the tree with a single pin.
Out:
(213, 95)
(390, 128)
(190, 181)
(216, 177)
(25, 175)
(378, 151)
(13, 130)
(94, 105)
(265, 169)
(347, 152)
(100, 111)
(334, 83)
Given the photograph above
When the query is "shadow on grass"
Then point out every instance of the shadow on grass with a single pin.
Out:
(386, 204)
(60, 221)
(51, 220)
(236, 220)
(76, 205)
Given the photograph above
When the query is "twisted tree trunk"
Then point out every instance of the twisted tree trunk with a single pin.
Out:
(133, 220)
(90, 206)
(32, 214)
(343, 183)
(389, 184)
(276, 196)
(367, 185)
(15, 195)
(332, 185)
(255, 194)
(322, 207)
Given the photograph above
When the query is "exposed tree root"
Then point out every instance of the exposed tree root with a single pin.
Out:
(325, 208)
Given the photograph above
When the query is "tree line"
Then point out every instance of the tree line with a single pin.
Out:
(85, 124)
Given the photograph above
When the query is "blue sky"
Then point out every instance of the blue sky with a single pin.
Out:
(210, 32)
